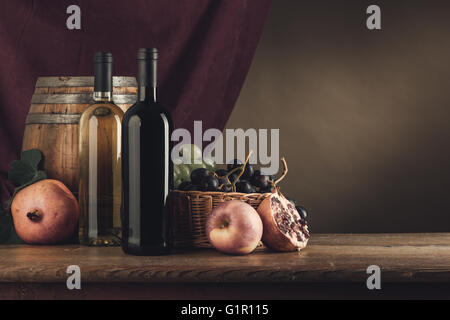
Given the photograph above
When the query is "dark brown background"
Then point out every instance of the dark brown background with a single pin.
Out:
(364, 115)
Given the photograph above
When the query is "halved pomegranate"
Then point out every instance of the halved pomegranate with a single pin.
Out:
(283, 228)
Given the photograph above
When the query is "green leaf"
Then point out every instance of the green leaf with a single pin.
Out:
(9, 201)
(31, 157)
(21, 172)
(24, 170)
(8, 233)
(5, 227)
(40, 175)
(14, 237)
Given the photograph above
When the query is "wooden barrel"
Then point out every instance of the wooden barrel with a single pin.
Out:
(52, 121)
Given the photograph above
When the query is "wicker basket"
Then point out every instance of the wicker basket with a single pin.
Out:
(190, 210)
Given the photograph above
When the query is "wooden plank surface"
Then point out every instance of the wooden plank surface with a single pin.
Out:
(331, 258)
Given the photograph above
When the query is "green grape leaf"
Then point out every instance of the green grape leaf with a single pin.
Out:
(7, 231)
(13, 236)
(40, 175)
(8, 202)
(5, 226)
(26, 169)
(21, 172)
(31, 157)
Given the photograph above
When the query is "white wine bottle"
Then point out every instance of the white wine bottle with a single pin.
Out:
(100, 162)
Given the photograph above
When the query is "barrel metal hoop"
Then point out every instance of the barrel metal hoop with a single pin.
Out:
(56, 82)
(80, 98)
(54, 118)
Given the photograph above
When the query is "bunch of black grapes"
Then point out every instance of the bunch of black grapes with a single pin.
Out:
(251, 180)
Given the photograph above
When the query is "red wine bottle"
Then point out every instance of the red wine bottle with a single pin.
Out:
(147, 170)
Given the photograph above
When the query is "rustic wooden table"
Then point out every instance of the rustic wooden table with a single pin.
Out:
(332, 266)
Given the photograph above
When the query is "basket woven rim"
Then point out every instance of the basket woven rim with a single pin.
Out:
(222, 193)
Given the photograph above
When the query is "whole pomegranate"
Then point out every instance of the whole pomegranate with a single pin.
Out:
(45, 212)
(283, 228)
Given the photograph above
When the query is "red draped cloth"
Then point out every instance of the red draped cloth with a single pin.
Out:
(206, 47)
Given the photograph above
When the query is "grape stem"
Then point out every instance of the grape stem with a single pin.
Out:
(232, 171)
(242, 168)
(233, 185)
(229, 184)
(285, 171)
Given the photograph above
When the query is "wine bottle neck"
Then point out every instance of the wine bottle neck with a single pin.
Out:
(102, 96)
(103, 80)
(148, 80)
(148, 94)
